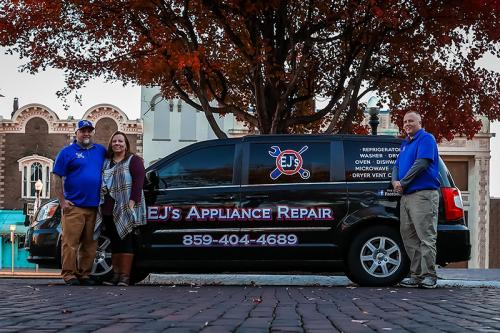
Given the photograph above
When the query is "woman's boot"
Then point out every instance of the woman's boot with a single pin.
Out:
(125, 266)
(115, 261)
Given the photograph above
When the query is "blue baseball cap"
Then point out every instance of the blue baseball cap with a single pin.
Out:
(84, 123)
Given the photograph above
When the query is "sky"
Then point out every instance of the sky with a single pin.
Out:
(41, 88)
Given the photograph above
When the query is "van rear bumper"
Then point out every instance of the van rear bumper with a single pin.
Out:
(453, 243)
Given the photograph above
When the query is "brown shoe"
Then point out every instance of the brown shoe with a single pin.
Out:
(113, 281)
(124, 281)
(126, 260)
(87, 282)
(115, 261)
(72, 282)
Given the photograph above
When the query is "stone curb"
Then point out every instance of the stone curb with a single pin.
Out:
(247, 279)
(468, 284)
(285, 280)
(258, 280)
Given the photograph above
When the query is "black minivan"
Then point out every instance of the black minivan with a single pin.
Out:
(286, 203)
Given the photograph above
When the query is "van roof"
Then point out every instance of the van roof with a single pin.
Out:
(337, 136)
(292, 137)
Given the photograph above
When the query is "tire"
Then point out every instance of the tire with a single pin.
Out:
(137, 276)
(102, 268)
(377, 257)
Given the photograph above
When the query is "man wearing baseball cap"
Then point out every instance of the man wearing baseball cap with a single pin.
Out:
(77, 172)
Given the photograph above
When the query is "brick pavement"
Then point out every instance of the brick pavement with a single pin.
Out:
(46, 306)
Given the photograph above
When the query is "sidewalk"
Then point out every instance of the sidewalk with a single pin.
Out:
(448, 278)
(25, 273)
(475, 274)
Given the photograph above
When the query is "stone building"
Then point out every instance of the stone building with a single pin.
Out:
(29, 143)
(469, 164)
(31, 139)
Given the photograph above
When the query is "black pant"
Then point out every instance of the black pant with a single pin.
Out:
(118, 245)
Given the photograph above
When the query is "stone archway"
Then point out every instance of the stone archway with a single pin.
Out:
(104, 128)
(36, 126)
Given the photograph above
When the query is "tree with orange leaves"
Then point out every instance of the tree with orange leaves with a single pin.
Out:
(266, 61)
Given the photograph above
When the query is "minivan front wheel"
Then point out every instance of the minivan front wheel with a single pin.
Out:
(102, 268)
(377, 257)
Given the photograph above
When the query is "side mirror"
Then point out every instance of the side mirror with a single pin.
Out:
(152, 180)
(27, 221)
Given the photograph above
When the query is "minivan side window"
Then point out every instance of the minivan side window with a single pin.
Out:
(289, 162)
(369, 160)
(210, 166)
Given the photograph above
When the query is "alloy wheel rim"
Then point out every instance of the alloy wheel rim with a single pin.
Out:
(102, 261)
(380, 256)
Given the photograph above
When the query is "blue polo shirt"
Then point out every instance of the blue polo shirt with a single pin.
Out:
(81, 169)
(422, 145)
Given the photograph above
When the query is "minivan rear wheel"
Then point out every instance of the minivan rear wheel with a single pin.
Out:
(377, 257)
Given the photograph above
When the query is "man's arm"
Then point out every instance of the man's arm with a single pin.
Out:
(395, 172)
(395, 181)
(60, 192)
(136, 168)
(418, 166)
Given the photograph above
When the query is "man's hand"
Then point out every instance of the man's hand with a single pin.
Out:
(397, 186)
(131, 204)
(60, 193)
(66, 203)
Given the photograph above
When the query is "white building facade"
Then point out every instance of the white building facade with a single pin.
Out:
(170, 125)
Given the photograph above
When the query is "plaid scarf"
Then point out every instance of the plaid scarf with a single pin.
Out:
(117, 182)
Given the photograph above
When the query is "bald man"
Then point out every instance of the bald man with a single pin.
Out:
(415, 177)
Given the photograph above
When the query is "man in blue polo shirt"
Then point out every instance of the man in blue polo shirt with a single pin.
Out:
(415, 176)
(77, 172)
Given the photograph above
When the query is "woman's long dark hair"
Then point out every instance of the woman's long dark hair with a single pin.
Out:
(109, 153)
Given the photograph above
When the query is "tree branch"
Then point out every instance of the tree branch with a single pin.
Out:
(204, 103)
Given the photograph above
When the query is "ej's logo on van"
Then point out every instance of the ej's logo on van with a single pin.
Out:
(288, 162)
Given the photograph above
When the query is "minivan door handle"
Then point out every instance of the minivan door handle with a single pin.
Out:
(223, 197)
(257, 196)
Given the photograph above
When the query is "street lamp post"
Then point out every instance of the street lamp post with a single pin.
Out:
(38, 190)
(12, 238)
(373, 109)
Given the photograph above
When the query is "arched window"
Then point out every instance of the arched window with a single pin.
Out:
(25, 181)
(47, 181)
(34, 168)
(36, 174)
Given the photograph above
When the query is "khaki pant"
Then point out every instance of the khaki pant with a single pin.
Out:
(78, 248)
(419, 218)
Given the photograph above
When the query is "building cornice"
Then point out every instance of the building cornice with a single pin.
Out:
(67, 126)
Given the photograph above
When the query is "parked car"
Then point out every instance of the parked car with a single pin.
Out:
(282, 202)
(43, 241)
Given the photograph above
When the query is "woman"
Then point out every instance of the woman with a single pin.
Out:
(122, 205)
